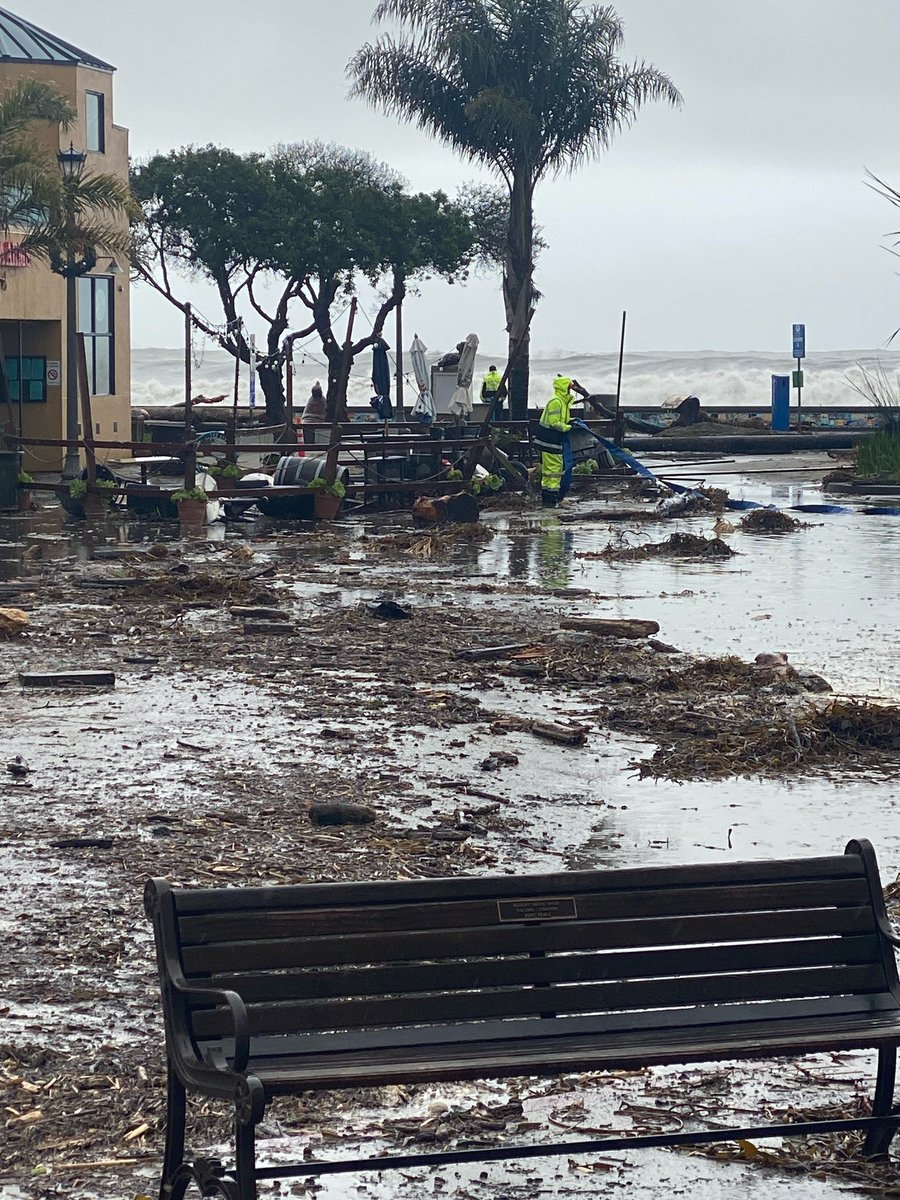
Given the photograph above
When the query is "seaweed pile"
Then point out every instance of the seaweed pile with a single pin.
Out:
(676, 545)
(769, 520)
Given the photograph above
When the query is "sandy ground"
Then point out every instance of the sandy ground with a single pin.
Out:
(201, 764)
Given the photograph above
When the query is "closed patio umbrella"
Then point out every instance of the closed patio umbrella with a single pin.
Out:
(461, 400)
(423, 409)
(381, 381)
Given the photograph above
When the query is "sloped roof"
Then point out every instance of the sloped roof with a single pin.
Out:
(20, 41)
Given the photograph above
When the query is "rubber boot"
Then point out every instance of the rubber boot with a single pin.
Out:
(549, 499)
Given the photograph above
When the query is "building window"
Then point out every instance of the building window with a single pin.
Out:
(96, 300)
(29, 384)
(96, 128)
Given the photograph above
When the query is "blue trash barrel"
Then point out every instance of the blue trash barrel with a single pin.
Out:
(781, 403)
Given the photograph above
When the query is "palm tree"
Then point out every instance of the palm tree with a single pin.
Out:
(29, 174)
(530, 88)
(85, 215)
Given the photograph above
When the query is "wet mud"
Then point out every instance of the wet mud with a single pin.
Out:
(202, 762)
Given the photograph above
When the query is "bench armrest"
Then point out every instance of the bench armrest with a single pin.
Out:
(207, 995)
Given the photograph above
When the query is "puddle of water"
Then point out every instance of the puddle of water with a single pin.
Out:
(825, 595)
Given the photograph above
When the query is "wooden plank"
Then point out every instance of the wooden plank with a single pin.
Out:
(597, 999)
(470, 914)
(660, 931)
(485, 653)
(269, 628)
(607, 627)
(563, 968)
(67, 678)
(568, 883)
(552, 1056)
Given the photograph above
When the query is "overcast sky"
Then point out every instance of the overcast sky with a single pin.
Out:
(715, 226)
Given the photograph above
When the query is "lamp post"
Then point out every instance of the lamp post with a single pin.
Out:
(71, 265)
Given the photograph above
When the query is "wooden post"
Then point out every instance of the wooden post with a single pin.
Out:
(237, 378)
(472, 460)
(334, 440)
(618, 434)
(190, 444)
(87, 419)
(289, 385)
(400, 414)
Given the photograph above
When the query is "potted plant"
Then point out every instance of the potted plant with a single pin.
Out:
(26, 500)
(226, 479)
(191, 505)
(327, 498)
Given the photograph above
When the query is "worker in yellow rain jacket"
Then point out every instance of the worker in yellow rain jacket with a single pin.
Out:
(492, 386)
(556, 419)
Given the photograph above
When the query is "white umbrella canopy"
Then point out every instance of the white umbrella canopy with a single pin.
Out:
(461, 400)
(423, 408)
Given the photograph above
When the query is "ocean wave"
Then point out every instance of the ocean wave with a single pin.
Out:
(718, 377)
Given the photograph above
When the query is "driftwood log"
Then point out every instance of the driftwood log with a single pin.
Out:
(609, 627)
(435, 510)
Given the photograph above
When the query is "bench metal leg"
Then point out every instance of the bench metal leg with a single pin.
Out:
(879, 1138)
(176, 1114)
(245, 1161)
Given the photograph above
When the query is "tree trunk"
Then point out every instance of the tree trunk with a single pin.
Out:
(518, 289)
(336, 404)
(271, 381)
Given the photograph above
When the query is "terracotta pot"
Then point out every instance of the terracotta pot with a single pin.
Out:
(26, 500)
(192, 514)
(93, 505)
(326, 505)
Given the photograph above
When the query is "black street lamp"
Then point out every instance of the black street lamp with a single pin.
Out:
(71, 265)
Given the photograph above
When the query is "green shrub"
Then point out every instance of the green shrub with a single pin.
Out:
(25, 478)
(333, 489)
(454, 474)
(195, 493)
(231, 471)
(108, 485)
(879, 455)
(78, 489)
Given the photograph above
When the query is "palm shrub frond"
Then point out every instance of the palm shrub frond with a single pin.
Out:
(30, 180)
(529, 88)
(88, 212)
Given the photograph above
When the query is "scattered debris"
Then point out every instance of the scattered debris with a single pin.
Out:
(341, 814)
(769, 520)
(390, 610)
(677, 545)
(13, 621)
(431, 510)
(67, 679)
(608, 627)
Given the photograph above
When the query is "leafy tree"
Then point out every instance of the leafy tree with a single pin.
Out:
(317, 219)
(29, 173)
(530, 88)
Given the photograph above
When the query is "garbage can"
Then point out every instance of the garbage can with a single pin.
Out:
(781, 403)
(9, 480)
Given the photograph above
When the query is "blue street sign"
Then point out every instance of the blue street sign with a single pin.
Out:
(799, 337)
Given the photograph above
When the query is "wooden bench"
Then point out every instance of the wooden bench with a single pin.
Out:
(284, 990)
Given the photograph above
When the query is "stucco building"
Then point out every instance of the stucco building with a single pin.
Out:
(33, 298)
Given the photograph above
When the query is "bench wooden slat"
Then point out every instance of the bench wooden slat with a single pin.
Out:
(519, 939)
(628, 1032)
(561, 968)
(570, 998)
(324, 895)
(597, 905)
(577, 1053)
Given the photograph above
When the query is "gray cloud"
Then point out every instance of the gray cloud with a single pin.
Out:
(716, 226)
